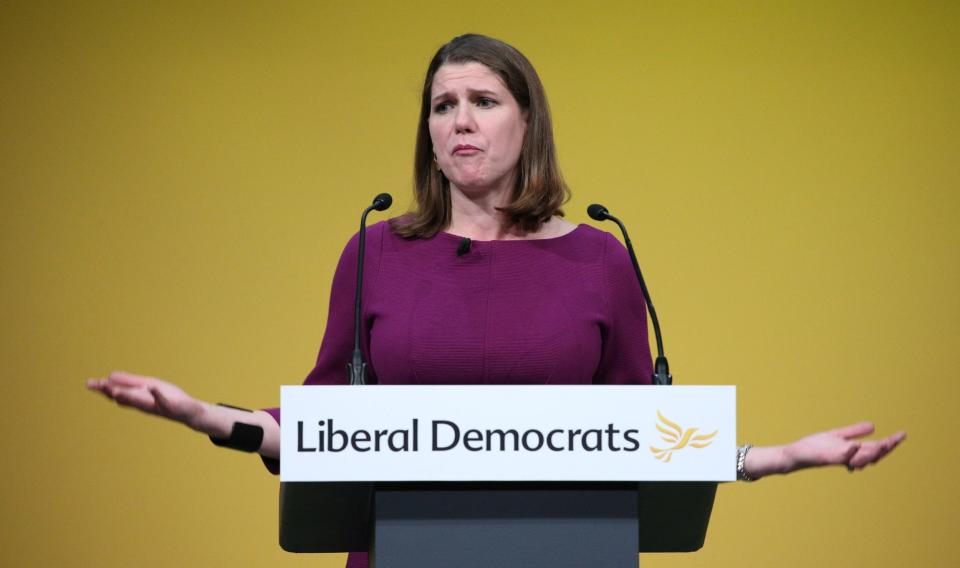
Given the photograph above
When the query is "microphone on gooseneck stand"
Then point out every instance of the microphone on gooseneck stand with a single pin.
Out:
(661, 369)
(357, 368)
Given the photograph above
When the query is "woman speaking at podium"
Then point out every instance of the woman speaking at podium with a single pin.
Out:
(484, 282)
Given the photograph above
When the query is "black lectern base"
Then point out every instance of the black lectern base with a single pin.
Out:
(505, 528)
(496, 525)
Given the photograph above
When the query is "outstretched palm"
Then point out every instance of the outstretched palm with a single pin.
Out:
(149, 395)
(841, 447)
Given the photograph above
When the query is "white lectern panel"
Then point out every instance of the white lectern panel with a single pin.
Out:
(508, 433)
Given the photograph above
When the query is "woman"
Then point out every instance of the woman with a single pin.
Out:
(485, 282)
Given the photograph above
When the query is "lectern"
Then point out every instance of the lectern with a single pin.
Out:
(595, 476)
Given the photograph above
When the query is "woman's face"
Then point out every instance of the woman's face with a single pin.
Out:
(476, 126)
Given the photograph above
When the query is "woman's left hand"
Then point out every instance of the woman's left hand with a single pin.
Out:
(840, 446)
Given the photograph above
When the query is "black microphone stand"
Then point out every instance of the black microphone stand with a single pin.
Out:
(661, 369)
(357, 368)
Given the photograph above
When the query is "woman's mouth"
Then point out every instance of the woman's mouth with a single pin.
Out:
(465, 150)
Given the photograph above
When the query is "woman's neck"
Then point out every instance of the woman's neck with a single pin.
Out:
(475, 214)
(494, 228)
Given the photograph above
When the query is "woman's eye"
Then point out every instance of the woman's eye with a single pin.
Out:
(441, 108)
(486, 102)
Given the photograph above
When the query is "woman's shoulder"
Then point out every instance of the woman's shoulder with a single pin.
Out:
(597, 241)
(591, 233)
(379, 231)
(375, 235)
(601, 247)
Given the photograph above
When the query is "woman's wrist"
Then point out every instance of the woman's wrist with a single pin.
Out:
(218, 422)
(211, 419)
(762, 461)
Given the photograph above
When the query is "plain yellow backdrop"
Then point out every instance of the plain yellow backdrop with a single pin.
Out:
(178, 179)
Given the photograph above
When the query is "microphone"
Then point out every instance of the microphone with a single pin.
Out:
(598, 212)
(464, 246)
(357, 368)
(381, 202)
(661, 369)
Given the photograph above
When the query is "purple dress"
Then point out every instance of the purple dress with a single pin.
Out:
(566, 310)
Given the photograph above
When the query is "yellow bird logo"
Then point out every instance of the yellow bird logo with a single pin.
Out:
(672, 433)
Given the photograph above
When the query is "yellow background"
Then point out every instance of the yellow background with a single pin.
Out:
(178, 180)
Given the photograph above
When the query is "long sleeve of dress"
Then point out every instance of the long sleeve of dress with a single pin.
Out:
(625, 355)
(336, 347)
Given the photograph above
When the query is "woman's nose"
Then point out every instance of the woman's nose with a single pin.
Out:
(464, 121)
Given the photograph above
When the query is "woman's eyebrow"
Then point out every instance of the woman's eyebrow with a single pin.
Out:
(482, 92)
(471, 92)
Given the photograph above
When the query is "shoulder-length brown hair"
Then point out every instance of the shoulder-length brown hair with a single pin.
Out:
(540, 190)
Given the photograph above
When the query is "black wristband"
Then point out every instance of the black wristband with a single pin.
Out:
(243, 437)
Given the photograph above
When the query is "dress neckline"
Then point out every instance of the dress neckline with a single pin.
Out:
(451, 236)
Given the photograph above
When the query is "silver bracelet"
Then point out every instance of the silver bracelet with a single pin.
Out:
(741, 461)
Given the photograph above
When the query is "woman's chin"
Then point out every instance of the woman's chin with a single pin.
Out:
(476, 185)
(470, 187)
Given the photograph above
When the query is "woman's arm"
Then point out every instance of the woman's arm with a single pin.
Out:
(169, 401)
(833, 447)
(164, 399)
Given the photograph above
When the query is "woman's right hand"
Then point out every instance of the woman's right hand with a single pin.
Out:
(151, 395)
(161, 398)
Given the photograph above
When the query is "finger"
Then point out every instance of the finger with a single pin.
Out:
(839, 453)
(848, 453)
(163, 403)
(854, 430)
(860, 460)
(885, 449)
(136, 398)
(875, 450)
(871, 453)
(898, 437)
(129, 379)
(888, 444)
(100, 387)
(96, 384)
